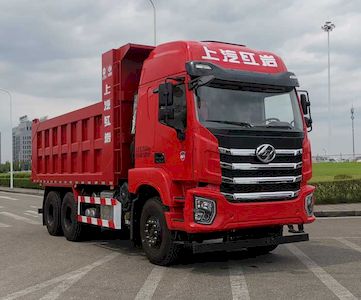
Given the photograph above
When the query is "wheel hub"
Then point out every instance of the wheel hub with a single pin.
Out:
(152, 232)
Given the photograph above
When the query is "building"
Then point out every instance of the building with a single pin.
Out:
(22, 144)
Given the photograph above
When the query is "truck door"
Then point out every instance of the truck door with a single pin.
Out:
(172, 149)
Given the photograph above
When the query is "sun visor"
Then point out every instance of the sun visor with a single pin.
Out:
(201, 68)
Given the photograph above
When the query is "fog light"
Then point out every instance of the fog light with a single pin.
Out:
(91, 212)
(309, 204)
(204, 210)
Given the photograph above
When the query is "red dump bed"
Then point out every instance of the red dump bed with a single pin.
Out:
(92, 145)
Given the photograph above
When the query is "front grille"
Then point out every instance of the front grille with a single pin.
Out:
(261, 173)
(254, 160)
(258, 188)
(246, 179)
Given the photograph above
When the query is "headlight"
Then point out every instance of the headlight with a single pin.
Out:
(204, 210)
(309, 204)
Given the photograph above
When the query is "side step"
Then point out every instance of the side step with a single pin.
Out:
(113, 217)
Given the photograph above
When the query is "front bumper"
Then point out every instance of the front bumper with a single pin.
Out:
(248, 243)
(242, 215)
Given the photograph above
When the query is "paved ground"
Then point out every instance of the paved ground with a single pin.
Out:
(338, 210)
(34, 265)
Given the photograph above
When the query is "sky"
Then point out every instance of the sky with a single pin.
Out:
(50, 51)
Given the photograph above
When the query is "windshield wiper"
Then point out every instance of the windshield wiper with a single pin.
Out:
(278, 125)
(243, 124)
(200, 81)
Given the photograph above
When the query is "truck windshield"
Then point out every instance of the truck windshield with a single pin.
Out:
(247, 108)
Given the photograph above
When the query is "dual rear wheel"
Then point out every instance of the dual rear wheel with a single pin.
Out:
(60, 217)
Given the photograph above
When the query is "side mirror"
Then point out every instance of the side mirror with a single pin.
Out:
(306, 108)
(308, 122)
(165, 94)
(305, 103)
(166, 114)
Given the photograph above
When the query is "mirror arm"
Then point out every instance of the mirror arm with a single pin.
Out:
(179, 80)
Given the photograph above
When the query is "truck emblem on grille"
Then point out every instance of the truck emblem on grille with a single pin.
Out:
(266, 153)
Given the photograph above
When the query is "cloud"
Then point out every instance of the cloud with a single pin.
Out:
(50, 51)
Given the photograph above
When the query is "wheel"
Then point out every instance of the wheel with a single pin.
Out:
(156, 238)
(71, 227)
(52, 207)
(261, 250)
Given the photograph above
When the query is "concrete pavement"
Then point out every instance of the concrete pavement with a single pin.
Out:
(338, 210)
(35, 265)
(22, 191)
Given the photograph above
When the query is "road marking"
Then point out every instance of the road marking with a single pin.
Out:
(333, 285)
(66, 281)
(238, 282)
(19, 218)
(4, 225)
(151, 283)
(41, 196)
(349, 244)
(30, 215)
(8, 198)
(36, 196)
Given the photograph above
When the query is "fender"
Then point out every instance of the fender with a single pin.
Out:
(155, 177)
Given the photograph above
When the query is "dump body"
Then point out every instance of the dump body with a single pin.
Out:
(92, 145)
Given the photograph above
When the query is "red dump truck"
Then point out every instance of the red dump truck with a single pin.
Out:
(195, 145)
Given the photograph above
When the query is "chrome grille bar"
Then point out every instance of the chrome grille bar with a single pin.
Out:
(258, 180)
(248, 166)
(252, 152)
(262, 196)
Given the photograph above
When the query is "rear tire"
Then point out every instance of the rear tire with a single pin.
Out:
(157, 240)
(71, 227)
(52, 215)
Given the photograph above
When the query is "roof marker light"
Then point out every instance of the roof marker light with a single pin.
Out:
(204, 67)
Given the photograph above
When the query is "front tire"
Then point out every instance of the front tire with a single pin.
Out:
(71, 227)
(157, 240)
(52, 215)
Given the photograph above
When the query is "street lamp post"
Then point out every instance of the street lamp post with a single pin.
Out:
(329, 26)
(11, 138)
(155, 22)
(353, 131)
